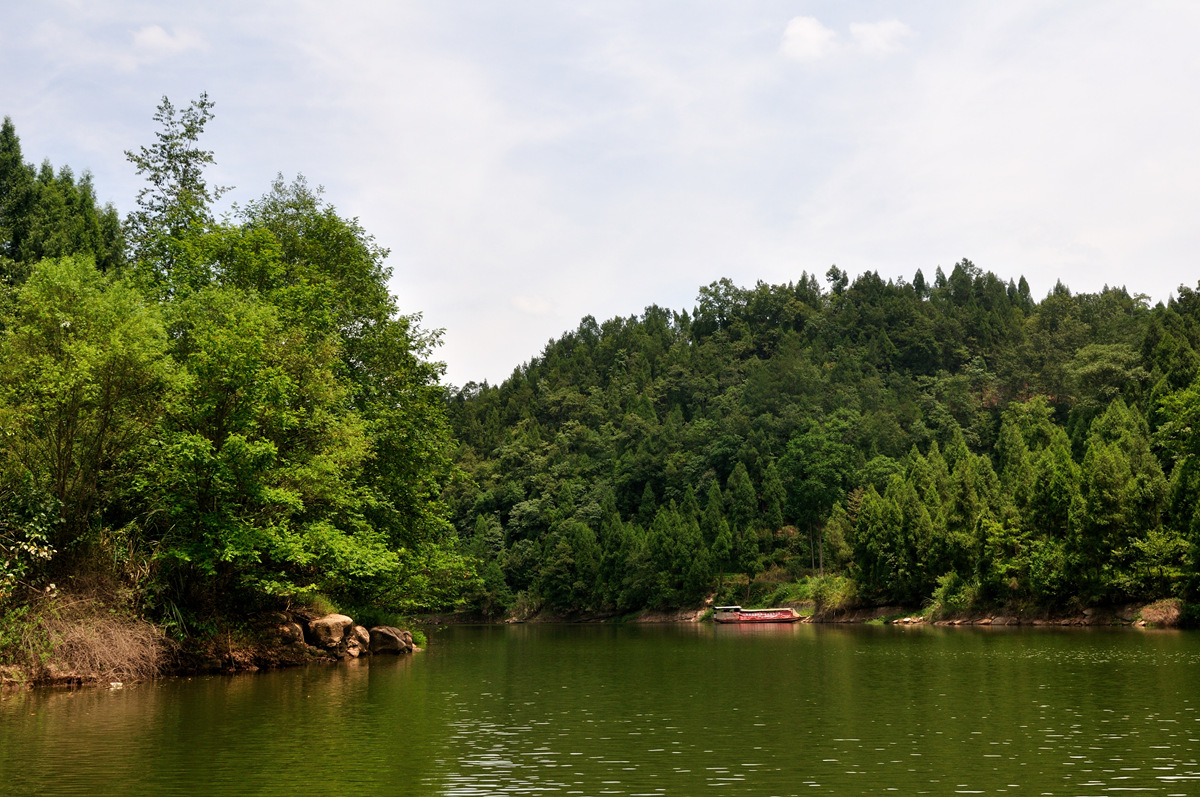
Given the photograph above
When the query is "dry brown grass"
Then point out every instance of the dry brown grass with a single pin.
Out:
(86, 635)
(1163, 614)
(105, 649)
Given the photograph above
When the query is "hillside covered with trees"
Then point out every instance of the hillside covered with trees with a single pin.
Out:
(203, 418)
(948, 440)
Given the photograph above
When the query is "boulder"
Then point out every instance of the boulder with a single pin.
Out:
(327, 631)
(389, 639)
(290, 633)
(360, 635)
(357, 641)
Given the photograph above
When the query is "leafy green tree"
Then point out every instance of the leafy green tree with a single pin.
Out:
(28, 517)
(817, 470)
(250, 506)
(488, 541)
(911, 550)
(1123, 492)
(310, 448)
(494, 597)
(1005, 562)
(1101, 373)
(1162, 564)
(880, 563)
(722, 548)
(648, 506)
(1102, 515)
(84, 383)
(743, 522)
(1016, 468)
(568, 580)
(176, 204)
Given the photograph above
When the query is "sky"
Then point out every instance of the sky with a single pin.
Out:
(532, 163)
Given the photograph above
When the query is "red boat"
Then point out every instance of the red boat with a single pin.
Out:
(736, 614)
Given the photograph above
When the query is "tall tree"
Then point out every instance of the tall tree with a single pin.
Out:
(85, 380)
(176, 204)
(817, 469)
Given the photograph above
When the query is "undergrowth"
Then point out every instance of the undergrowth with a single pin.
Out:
(88, 634)
(953, 597)
(825, 593)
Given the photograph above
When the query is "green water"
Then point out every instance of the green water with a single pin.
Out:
(647, 710)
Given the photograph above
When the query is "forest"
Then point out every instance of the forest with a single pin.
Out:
(210, 417)
(204, 418)
(949, 443)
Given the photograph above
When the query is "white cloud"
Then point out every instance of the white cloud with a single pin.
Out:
(153, 42)
(1049, 147)
(880, 38)
(530, 167)
(70, 45)
(806, 39)
(532, 305)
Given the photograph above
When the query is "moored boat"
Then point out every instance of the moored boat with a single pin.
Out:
(736, 614)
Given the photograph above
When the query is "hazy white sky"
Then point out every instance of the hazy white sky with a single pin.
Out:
(530, 163)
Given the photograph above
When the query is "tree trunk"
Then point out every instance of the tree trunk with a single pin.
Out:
(821, 548)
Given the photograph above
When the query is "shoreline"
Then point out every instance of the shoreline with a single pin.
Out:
(1166, 613)
(272, 641)
(289, 641)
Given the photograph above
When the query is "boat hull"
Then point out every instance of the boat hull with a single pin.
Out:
(758, 616)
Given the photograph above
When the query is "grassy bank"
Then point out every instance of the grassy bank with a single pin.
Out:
(837, 598)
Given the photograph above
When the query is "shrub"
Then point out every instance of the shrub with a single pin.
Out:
(832, 592)
(953, 596)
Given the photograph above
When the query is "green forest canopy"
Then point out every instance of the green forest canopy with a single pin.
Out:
(232, 413)
(952, 437)
(229, 414)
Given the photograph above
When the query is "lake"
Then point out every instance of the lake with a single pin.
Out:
(647, 710)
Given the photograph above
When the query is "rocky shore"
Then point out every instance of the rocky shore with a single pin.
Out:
(267, 642)
(292, 639)
(1160, 614)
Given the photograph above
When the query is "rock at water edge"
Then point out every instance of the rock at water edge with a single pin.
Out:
(328, 631)
(290, 633)
(389, 639)
(357, 641)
